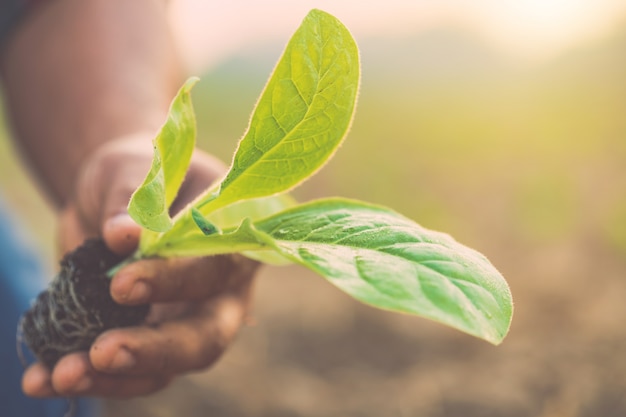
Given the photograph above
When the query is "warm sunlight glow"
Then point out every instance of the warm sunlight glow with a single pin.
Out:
(528, 29)
(539, 28)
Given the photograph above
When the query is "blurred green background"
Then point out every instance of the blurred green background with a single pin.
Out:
(524, 162)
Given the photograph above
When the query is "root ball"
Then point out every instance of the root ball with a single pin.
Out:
(77, 306)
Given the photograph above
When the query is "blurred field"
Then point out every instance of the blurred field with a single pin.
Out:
(525, 163)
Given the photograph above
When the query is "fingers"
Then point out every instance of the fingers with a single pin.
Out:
(108, 179)
(187, 344)
(121, 234)
(74, 376)
(214, 291)
(166, 280)
(130, 362)
(114, 171)
(140, 360)
(37, 381)
(191, 342)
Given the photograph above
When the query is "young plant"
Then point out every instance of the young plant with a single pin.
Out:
(371, 252)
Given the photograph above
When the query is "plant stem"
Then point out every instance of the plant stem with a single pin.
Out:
(127, 261)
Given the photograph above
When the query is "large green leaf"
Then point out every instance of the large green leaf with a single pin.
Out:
(173, 146)
(386, 260)
(303, 114)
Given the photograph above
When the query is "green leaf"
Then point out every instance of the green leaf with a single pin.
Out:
(194, 234)
(303, 114)
(256, 209)
(203, 223)
(196, 243)
(259, 208)
(386, 260)
(173, 146)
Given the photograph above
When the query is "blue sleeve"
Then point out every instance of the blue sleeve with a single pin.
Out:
(11, 11)
(22, 276)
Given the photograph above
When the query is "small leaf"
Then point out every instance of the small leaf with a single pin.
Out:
(256, 209)
(302, 115)
(203, 223)
(196, 243)
(173, 146)
(386, 260)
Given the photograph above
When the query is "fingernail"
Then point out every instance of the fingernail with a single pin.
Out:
(121, 234)
(84, 384)
(140, 293)
(122, 361)
(119, 220)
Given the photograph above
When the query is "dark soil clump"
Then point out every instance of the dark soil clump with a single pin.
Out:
(77, 305)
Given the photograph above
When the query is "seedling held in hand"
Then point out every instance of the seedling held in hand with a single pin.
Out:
(371, 252)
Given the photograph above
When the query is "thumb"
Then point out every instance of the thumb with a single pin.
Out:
(117, 228)
(121, 233)
(105, 184)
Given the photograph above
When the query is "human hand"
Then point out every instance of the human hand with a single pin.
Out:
(197, 304)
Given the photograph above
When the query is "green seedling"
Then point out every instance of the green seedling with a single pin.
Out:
(371, 252)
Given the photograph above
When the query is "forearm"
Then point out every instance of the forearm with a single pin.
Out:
(78, 73)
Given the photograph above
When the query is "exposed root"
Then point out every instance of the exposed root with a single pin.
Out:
(77, 306)
(19, 344)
